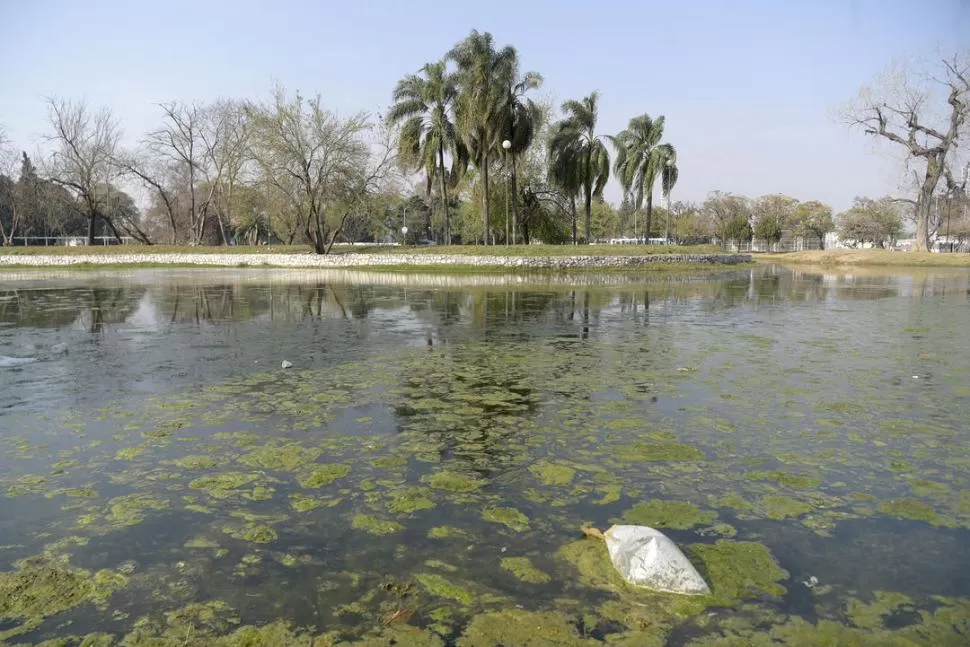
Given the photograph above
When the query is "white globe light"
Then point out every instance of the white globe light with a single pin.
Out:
(506, 144)
(404, 231)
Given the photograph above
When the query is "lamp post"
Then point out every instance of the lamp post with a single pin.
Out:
(404, 227)
(507, 145)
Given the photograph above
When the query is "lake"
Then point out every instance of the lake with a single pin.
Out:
(420, 474)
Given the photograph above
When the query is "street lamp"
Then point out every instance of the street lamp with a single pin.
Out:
(507, 145)
(404, 228)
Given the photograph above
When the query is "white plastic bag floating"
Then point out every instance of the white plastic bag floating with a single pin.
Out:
(648, 558)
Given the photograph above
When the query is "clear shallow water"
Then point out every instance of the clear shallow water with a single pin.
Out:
(430, 429)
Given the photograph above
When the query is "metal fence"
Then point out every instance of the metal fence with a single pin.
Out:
(789, 245)
(68, 241)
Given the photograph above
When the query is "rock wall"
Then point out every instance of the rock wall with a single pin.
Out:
(365, 260)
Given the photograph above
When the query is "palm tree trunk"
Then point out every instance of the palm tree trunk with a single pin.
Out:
(485, 201)
(649, 216)
(589, 211)
(573, 203)
(444, 193)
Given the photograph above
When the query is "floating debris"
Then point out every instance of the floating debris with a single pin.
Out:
(648, 558)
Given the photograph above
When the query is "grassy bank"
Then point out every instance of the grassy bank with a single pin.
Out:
(866, 257)
(528, 251)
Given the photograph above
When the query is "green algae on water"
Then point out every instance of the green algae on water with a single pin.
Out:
(912, 509)
(129, 509)
(454, 482)
(304, 503)
(280, 456)
(794, 481)
(522, 568)
(644, 452)
(740, 569)
(45, 585)
(720, 529)
(552, 474)
(223, 484)
(27, 484)
(198, 462)
(449, 532)
(388, 462)
(660, 513)
(523, 629)
(779, 506)
(397, 635)
(254, 533)
(324, 475)
(872, 615)
(509, 517)
(375, 525)
(442, 587)
(409, 500)
(129, 453)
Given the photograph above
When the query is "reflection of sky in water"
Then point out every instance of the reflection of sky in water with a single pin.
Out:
(150, 330)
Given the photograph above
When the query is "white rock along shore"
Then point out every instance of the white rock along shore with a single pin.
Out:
(368, 260)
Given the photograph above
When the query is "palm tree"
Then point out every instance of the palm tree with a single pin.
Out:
(565, 168)
(579, 159)
(522, 119)
(424, 103)
(483, 73)
(640, 157)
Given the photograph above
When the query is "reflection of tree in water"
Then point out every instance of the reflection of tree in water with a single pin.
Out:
(108, 306)
(470, 403)
(90, 308)
(851, 288)
(635, 304)
(328, 300)
(193, 303)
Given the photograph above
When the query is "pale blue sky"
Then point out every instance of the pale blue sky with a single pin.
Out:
(748, 88)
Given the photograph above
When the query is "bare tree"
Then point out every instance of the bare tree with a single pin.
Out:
(226, 139)
(182, 143)
(155, 174)
(84, 144)
(120, 210)
(194, 152)
(7, 155)
(10, 214)
(324, 165)
(903, 111)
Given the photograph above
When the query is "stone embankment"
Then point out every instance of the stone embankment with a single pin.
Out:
(372, 260)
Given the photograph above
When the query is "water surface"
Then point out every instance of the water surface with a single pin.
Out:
(425, 465)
